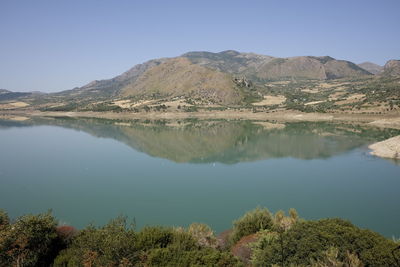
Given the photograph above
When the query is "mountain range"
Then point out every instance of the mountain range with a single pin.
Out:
(227, 78)
(210, 76)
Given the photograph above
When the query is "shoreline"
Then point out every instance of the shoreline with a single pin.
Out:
(389, 148)
(383, 121)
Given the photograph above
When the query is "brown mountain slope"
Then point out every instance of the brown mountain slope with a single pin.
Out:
(320, 68)
(308, 67)
(371, 67)
(336, 69)
(180, 77)
(392, 68)
(295, 67)
(264, 68)
(108, 88)
(229, 61)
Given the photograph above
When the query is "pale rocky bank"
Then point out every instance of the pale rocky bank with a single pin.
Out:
(389, 148)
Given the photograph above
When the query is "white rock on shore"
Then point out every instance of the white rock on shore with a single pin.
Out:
(389, 148)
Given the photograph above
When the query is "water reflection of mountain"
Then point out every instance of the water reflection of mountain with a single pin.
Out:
(224, 141)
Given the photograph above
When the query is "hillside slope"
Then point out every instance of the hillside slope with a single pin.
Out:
(371, 67)
(391, 68)
(111, 87)
(180, 77)
(229, 79)
(266, 68)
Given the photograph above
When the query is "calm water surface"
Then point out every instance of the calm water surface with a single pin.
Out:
(175, 173)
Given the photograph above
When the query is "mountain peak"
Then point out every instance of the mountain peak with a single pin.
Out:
(229, 52)
(324, 59)
(371, 67)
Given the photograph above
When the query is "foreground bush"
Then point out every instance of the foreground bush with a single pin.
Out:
(252, 222)
(160, 246)
(4, 220)
(110, 245)
(265, 240)
(307, 242)
(171, 256)
(118, 245)
(203, 234)
(331, 258)
(31, 241)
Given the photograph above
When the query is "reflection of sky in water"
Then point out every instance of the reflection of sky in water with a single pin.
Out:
(85, 179)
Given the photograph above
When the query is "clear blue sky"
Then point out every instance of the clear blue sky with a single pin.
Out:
(57, 45)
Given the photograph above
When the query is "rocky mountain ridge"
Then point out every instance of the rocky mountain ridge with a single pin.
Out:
(227, 78)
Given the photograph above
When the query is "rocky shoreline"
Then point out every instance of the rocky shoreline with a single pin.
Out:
(389, 148)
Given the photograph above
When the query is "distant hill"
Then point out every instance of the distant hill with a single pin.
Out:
(166, 76)
(392, 68)
(224, 78)
(267, 68)
(209, 76)
(371, 67)
(6, 95)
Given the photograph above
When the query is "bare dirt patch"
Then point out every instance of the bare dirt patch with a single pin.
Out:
(310, 91)
(270, 100)
(314, 102)
(13, 105)
(123, 103)
(325, 85)
(278, 83)
(336, 96)
(141, 103)
(19, 104)
(351, 99)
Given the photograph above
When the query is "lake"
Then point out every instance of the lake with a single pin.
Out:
(175, 173)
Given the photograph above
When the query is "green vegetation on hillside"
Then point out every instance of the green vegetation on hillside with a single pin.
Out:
(276, 240)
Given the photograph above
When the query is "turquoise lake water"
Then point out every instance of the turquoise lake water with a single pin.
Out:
(176, 173)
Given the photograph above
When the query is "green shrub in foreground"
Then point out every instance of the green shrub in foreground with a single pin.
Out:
(4, 220)
(162, 246)
(252, 222)
(307, 242)
(31, 241)
(203, 234)
(171, 256)
(112, 244)
(117, 245)
(34, 240)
